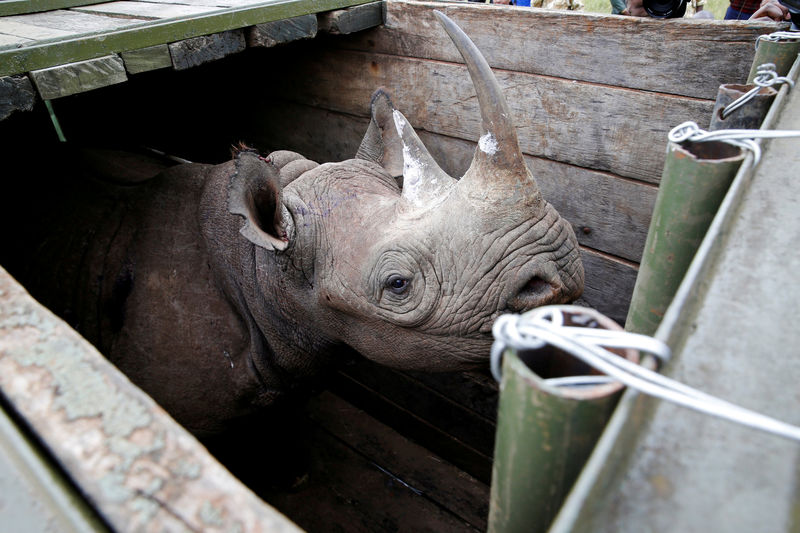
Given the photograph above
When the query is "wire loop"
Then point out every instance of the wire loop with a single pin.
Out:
(545, 326)
(765, 77)
(690, 131)
(778, 36)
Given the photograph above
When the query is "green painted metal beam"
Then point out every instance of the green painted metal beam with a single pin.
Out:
(52, 52)
(36, 496)
(20, 7)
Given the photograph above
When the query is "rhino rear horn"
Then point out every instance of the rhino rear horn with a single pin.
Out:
(381, 143)
(425, 184)
(254, 192)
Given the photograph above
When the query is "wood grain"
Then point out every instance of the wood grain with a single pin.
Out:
(147, 59)
(593, 126)
(147, 10)
(609, 284)
(17, 7)
(70, 22)
(686, 57)
(74, 78)
(352, 19)
(124, 33)
(198, 50)
(441, 482)
(26, 31)
(16, 94)
(282, 31)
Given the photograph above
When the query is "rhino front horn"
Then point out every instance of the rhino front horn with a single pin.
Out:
(498, 170)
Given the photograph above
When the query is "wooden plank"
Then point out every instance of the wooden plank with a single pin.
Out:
(18, 7)
(147, 10)
(13, 40)
(11, 26)
(447, 416)
(609, 284)
(475, 390)
(414, 427)
(348, 492)
(437, 480)
(615, 211)
(146, 59)
(129, 458)
(16, 94)
(71, 23)
(282, 31)
(65, 80)
(142, 35)
(641, 53)
(198, 50)
(594, 126)
(353, 19)
(208, 3)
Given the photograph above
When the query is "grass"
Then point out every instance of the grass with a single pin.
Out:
(717, 7)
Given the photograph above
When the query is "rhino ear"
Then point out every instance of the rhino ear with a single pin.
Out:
(381, 143)
(254, 192)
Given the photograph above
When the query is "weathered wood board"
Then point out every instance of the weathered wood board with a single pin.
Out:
(684, 57)
(147, 59)
(102, 28)
(365, 477)
(354, 19)
(588, 125)
(16, 94)
(282, 31)
(146, 10)
(198, 50)
(64, 80)
(129, 458)
(17, 7)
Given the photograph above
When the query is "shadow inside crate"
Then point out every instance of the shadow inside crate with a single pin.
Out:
(415, 456)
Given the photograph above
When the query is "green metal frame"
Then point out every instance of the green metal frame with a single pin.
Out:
(21, 7)
(595, 503)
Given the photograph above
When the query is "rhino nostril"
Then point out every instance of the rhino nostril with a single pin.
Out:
(535, 285)
(535, 292)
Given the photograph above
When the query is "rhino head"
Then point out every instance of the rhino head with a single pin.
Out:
(388, 254)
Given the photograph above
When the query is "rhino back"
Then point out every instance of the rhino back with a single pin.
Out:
(179, 337)
(125, 264)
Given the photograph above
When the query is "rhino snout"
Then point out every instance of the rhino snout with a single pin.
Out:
(535, 285)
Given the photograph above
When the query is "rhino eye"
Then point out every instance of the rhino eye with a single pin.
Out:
(397, 284)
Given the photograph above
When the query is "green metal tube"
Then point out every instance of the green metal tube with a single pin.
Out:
(747, 117)
(544, 436)
(695, 179)
(781, 53)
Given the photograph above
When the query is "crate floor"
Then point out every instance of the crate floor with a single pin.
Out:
(366, 477)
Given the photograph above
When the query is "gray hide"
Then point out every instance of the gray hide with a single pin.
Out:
(218, 288)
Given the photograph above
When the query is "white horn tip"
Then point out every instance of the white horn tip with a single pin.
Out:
(488, 144)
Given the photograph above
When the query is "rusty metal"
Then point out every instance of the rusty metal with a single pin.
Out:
(750, 115)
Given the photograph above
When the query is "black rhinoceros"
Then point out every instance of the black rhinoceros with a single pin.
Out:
(216, 288)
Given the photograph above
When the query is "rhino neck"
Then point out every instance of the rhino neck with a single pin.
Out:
(265, 289)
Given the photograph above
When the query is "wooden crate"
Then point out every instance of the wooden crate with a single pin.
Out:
(593, 98)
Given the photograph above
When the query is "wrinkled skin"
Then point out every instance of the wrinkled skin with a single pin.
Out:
(219, 289)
